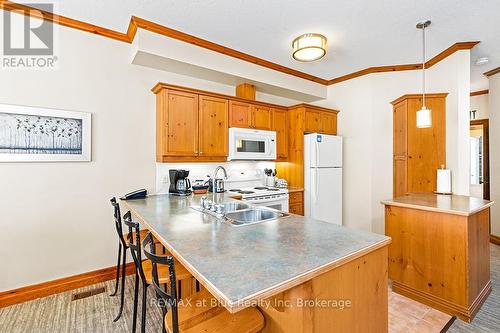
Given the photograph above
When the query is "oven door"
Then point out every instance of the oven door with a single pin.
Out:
(248, 144)
(280, 203)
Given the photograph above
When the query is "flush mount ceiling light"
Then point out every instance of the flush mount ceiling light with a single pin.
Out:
(482, 61)
(309, 47)
(424, 115)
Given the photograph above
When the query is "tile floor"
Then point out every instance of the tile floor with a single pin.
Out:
(407, 315)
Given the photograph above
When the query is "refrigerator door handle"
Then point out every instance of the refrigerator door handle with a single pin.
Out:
(317, 183)
(316, 146)
(316, 175)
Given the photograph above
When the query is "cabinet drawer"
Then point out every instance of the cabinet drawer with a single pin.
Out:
(295, 197)
(297, 208)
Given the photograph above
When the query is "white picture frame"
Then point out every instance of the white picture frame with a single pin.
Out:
(33, 134)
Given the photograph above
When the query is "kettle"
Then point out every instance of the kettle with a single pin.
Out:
(219, 185)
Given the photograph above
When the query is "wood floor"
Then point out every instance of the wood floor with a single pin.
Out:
(58, 313)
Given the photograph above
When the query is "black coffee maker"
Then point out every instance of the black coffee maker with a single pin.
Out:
(179, 183)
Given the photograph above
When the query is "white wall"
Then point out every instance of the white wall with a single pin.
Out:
(494, 107)
(480, 103)
(365, 120)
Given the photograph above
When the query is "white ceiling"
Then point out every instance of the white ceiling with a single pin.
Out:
(361, 33)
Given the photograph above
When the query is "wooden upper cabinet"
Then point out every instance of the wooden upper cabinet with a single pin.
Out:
(328, 122)
(179, 123)
(240, 114)
(248, 115)
(280, 126)
(192, 125)
(321, 122)
(418, 152)
(312, 121)
(213, 126)
(261, 118)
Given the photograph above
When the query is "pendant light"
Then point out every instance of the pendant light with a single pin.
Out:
(424, 115)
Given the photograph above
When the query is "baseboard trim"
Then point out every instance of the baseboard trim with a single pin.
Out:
(464, 313)
(28, 293)
(448, 325)
(495, 239)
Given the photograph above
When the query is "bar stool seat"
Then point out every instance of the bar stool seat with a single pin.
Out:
(203, 313)
(142, 234)
(163, 274)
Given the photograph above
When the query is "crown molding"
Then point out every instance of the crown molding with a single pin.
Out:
(418, 96)
(137, 22)
(409, 67)
(378, 69)
(480, 92)
(493, 72)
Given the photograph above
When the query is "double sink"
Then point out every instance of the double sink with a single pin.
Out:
(239, 214)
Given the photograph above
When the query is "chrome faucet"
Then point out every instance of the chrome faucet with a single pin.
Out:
(217, 170)
(217, 183)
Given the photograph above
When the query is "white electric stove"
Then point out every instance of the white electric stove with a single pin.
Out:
(259, 195)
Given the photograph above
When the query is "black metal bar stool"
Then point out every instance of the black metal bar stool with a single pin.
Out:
(202, 313)
(144, 269)
(123, 245)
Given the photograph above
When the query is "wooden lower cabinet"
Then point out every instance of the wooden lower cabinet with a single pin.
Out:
(296, 203)
(357, 296)
(440, 259)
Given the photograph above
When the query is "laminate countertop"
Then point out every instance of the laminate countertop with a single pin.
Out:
(241, 266)
(451, 204)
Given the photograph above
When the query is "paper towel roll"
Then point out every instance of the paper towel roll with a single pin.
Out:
(443, 181)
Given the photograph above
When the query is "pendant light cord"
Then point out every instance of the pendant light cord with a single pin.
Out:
(423, 66)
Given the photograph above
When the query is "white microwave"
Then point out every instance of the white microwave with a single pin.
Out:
(250, 144)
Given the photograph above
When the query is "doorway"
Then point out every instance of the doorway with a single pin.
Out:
(480, 158)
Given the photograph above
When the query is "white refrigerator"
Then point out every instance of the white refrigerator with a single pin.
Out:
(323, 177)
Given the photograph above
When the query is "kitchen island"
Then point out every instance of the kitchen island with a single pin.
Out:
(440, 252)
(304, 275)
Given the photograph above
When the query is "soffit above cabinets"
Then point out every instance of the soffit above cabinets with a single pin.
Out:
(163, 53)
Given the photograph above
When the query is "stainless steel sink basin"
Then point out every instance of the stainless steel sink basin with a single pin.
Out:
(234, 206)
(253, 215)
(239, 213)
